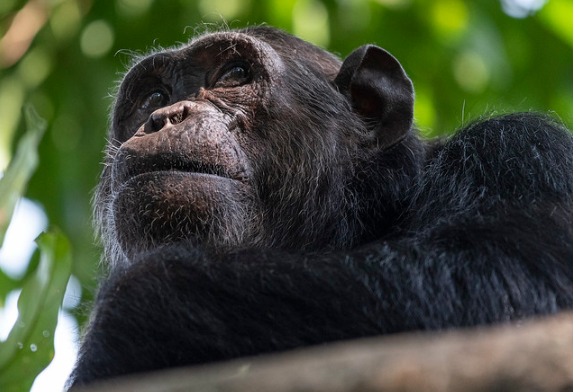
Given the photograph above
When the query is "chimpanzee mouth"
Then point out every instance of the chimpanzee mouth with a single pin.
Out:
(197, 168)
(190, 168)
(198, 179)
(138, 168)
(203, 170)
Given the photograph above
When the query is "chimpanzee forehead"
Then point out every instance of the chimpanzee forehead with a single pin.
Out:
(273, 44)
(221, 46)
(209, 51)
(269, 46)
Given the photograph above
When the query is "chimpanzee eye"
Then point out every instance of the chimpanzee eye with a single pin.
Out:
(234, 76)
(154, 100)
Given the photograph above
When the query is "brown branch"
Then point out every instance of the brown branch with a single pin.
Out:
(533, 356)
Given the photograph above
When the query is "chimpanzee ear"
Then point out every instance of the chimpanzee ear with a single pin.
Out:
(380, 91)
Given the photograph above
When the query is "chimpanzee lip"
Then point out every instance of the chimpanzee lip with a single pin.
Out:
(193, 167)
(194, 181)
(139, 169)
(174, 172)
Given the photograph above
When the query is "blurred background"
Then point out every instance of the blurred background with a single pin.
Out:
(65, 57)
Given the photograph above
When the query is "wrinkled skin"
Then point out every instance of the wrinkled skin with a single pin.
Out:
(261, 195)
(227, 143)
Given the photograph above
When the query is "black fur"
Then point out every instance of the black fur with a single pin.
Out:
(473, 230)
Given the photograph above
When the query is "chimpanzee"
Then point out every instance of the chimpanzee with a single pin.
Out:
(261, 195)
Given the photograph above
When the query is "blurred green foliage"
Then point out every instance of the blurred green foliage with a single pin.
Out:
(30, 345)
(14, 181)
(65, 57)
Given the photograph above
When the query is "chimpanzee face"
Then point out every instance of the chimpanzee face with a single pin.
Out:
(236, 139)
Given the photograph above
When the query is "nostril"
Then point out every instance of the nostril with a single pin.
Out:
(176, 118)
(180, 113)
(156, 121)
(163, 117)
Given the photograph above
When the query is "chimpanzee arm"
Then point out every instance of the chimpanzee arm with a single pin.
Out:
(178, 306)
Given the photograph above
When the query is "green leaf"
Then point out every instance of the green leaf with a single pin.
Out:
(7, 284)
(13, 183)
(30, 344)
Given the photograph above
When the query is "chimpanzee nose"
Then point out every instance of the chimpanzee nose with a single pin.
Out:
(167, 116)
